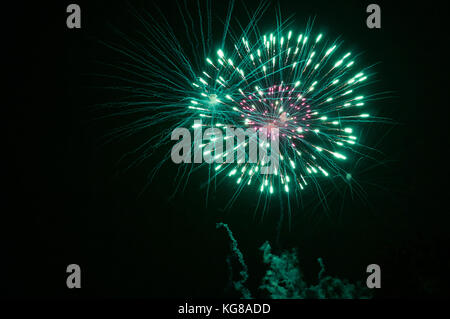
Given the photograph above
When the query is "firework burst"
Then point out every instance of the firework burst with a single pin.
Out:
(297, 86)
(304, 87)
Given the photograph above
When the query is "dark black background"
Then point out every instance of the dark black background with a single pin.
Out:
(67, 200)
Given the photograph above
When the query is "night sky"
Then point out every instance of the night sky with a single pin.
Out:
(69, 198)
